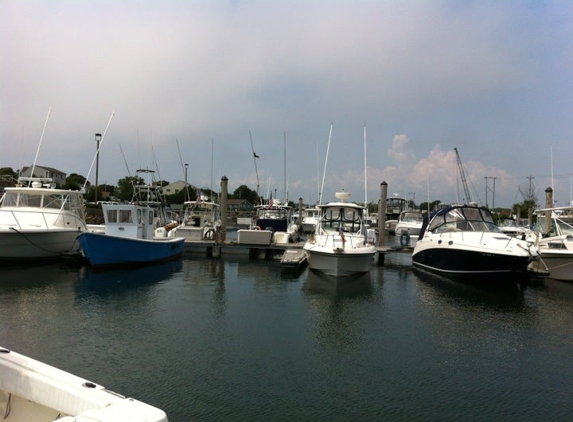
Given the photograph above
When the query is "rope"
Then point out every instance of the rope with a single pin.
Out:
(38, 246)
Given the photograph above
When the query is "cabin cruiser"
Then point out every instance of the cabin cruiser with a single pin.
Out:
(201, 219)
(311, 216)
(409, 222)
(38, 221)
(463, 240)
(342, 244)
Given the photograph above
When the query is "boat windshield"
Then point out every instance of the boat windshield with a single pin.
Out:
(272, 213)
(472, 219)
(335, 219)
(412, 217)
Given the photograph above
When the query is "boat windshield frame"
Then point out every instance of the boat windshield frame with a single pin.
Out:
(463, 218)
(348, 219)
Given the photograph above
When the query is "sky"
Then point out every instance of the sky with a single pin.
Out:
(331, 95)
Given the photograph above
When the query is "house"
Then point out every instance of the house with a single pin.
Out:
(175, 187)
(239, 206)
(57, 176)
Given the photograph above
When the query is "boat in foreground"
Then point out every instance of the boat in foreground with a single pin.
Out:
(342, 244)
(555, 243)
(128, 239)
(38, 221)
(464, 241)
(32, 391)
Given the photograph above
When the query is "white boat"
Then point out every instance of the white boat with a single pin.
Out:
(272, 224)
(342, 244)
(463, 240)
(32, 391)
(201, 219)
(38, 221)
(410, 223)
(129, 238)
(310, 219)
(556, 245)
(510, 227)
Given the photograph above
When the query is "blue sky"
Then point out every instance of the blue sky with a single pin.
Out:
(493, 79)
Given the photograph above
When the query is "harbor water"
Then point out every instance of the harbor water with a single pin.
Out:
(235, 339)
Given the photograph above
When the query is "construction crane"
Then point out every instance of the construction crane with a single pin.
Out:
(463, 177)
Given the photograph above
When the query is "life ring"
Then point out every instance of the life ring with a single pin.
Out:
(209, 234)
(258, 228)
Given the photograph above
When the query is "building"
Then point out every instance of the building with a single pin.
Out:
(239, 206)
(57, 176)
(176, 187)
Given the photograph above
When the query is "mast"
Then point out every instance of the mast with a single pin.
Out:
(463, 177)
(255, 156)
(325, 164)
(284, 166)
(39, 146)
(365, 173)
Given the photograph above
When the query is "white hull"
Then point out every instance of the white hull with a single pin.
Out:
(31, 391)
(340, 263)
(559, 263)
(42, 244)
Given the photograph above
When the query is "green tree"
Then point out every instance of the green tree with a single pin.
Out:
(7, 171)
(75, 182)
(244, 192)
(124, 191)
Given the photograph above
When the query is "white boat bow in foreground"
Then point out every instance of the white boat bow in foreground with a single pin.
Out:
(32, 391)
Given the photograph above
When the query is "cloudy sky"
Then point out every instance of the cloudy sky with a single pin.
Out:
(191, 81)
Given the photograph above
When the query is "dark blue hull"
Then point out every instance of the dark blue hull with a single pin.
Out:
(463, 263)
(109, 251)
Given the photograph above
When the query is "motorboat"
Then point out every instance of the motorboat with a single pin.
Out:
(309, 220)
(463, 240)
(511, 227)
(201, 219)
(129, 238)
(38, 221)
(272, 224)
(410, 223)
(555, 243)
(33, 391)
(342, 244)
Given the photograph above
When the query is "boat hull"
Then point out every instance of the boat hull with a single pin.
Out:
(463, 263)
(34, 391)
(340, 264)
(103, 250)
(558, 263)
(37, 244)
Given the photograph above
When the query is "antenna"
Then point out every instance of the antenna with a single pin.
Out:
(325, 163)
(39, 145)
(99, 147)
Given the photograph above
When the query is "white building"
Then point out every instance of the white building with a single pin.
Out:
(56, 175)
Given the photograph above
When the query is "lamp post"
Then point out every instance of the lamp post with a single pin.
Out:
(98, 140)
(186, 188)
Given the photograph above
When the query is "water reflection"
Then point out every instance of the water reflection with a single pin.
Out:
(118, 280)
(342, 287)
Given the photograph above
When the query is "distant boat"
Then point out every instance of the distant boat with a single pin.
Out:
(201, 219)
(555, 246)
(464, 241)
(409, 225)
(272, 224)
(128, 239)
(32, 391)
(40, 222)
(309, 219)
(342, 244)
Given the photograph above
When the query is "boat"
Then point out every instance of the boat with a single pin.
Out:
(129, 238)
(310, 219)
(201, 219)
(511, 227)
(342, 245)
(409, 223)
(464, 241)
(33, 391)
(38, 221)
(555, 244)
(272, 224)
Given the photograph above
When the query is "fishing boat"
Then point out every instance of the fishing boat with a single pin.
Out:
(38, 221)
(129, 238)
(32, 391)
(272, 224)
(553, 235)
(342, 245)
(463, 240)
(201, 219)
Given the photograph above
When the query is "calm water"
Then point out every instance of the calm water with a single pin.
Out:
(236, 340)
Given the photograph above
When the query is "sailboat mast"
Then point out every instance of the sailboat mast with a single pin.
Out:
(365, 172)
(284, 166)
(255, 156)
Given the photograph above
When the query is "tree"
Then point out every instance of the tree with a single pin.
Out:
(244, 192)
(7, 171)
(75, 182)
(125, 187)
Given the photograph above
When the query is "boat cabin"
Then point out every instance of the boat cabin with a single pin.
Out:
(129, 221)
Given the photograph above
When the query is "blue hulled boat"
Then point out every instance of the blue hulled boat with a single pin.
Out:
(129, 239)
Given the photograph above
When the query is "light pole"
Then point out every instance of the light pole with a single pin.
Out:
(186, 188)
(98, 140)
